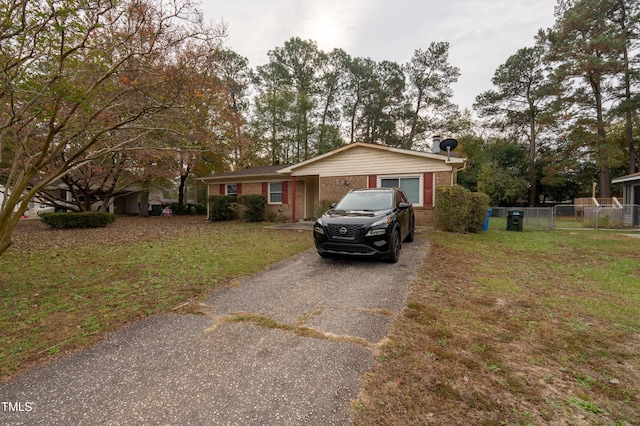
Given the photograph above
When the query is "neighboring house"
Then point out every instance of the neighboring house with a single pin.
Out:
(124, 201)
(2, 196)
(35, 205)
(128, 201)
(301, 191)
(631, 191)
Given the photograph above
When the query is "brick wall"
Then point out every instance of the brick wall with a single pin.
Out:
(331, 189)
(425, 216)
(335, 187)
(214, 189)
(252, 188)
(442, 178)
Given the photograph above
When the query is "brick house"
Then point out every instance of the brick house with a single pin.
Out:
(301, 191)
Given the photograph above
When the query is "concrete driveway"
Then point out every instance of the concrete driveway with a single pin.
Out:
(288, 346)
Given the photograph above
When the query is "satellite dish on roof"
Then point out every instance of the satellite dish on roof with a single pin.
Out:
(448, 145)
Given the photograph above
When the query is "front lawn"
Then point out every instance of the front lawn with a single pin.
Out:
(62, 290)
(514, 328)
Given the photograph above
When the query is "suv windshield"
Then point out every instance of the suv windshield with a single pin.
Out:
(366, 201)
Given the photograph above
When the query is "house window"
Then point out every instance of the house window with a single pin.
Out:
(275, 192)
(231, 189)
(409, 184)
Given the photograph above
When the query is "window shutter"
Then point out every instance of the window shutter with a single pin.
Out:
(223, 189)
(427, 196)
(265, 190)
(373, 181)
(239, 189)
(285, 192)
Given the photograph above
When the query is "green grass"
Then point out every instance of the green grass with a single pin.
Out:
(515, 328)
(56, 300)
(500, 327)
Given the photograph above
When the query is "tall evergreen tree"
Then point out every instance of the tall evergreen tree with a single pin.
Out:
(297, 62)
(332, 84)
(360, 77)
(586, 50)
(271, 121)
(516, 104)
(429, 92)
(626, 16)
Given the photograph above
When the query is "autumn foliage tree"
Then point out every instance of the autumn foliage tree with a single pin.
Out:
(80, 79)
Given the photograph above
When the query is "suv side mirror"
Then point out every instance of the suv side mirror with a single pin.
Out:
(403, 206)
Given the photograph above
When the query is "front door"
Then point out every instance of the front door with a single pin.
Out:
(311, 196)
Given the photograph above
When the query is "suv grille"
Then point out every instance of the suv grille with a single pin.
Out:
(349, 232)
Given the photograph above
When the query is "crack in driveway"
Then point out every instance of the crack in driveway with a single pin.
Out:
(300, 328)
(336, 297)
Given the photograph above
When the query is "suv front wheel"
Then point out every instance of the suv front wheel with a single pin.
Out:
(394, 247)
(412, 230)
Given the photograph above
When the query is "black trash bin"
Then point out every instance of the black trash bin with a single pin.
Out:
(515, 219)
(156, 210)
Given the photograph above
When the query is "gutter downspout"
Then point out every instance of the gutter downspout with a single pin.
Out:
(454, 172)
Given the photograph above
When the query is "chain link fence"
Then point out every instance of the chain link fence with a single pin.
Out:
(626, 216)
(570, 216)
(534, 218)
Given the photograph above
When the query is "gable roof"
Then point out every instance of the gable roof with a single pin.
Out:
(351, 158)
(627, 178)
(453, 161)
(261, 171)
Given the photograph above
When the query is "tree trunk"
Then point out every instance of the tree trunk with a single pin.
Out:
(10, 214)
(633, 165)
(605, 180)
(181, 189)
(144, 204)
(8, 221)
(603, 152)
(532, 156)
(415, 118)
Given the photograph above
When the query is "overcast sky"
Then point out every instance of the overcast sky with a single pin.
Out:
(482, 33)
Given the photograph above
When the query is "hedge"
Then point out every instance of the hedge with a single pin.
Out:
(478, 206)
(460, 210)
(222, 207)
(78, 220)
(253, 207)
(189, 209)
(451, 209)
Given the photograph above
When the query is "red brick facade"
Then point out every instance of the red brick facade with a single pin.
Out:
(309, 186)
(333, 188)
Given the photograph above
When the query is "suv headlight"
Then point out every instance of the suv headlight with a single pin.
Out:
(318, 228)
(376, 231)
(379, 227)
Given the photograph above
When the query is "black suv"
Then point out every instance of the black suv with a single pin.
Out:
(366, 222)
